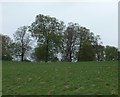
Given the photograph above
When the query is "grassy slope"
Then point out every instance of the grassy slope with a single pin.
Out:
(84, 78)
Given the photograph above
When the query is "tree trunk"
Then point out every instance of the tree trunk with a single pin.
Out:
(47, 50)
(22, 55)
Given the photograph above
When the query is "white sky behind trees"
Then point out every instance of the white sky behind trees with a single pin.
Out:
(100, 17)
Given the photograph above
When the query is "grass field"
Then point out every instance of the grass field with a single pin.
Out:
(83, 78)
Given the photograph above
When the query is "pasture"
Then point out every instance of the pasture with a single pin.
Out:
(60, 78)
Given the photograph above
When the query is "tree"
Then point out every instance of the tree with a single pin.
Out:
(71, 35)
(22, 43)
(86, 50)
(47, 30)
(100, 52)
(0, 47)
(6, 42)
(99, 48)
(40, 53)
(111, 53)
(118, 55)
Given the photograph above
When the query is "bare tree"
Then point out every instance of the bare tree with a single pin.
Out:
(22, 42)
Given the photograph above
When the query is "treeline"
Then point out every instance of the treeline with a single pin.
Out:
(72, 42)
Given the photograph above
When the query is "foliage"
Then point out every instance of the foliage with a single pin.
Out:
(118, 55)
(74, 43)
(87, 42)
(111, 53)
(71, 37)
(100, 52)
(87, 52)
(40, 53)
(47, 30)
(0, 47)
(22, 43)
(6, 42)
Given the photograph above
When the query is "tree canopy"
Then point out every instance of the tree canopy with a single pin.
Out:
(73, 42)
(22, 43)
(48, 32)
(6, 47)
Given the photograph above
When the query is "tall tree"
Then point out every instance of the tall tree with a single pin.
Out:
(100, 52)
(99, 48)
(86, 40)
(0, 47)
(22, 43)
(47, 30)
(6, 42)
(71, 35)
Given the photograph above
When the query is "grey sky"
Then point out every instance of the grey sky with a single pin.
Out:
(100, 17)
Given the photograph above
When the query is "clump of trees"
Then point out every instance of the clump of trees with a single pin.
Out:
(73, 42)
(18, 48)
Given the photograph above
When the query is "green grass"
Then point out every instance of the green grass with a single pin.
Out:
(83, 78)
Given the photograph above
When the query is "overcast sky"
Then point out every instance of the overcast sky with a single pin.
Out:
(100, 17)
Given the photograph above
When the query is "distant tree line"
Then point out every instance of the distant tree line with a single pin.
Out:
(73, 42)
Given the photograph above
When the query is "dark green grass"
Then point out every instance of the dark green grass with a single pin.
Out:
(83, 78)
